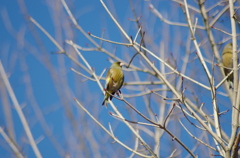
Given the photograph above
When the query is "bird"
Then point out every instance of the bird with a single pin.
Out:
(227, 59)
(114, 81)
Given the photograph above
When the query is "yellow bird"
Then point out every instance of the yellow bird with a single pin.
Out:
(227, 59)
(114, 81)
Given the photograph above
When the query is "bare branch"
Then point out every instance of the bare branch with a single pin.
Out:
(19, 111)
(11, 144)
(196, 137)
(109, 133)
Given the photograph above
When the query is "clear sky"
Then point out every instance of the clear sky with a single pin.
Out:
(45, 86)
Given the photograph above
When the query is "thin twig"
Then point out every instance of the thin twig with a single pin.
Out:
(133, 122)
(191, 121)
(140, 28)
(215, 5)
(164, 124)
(11, 144)
(143, 93)
(82, 74)
(135, 147)
(154, 123)
(159, 15)
(19, 111)
(222, 31)
(172, 154)
(57, 45)
(174, 69)
(109, 133)
(102, 39)
(142, 83)
(196, 137)
(165, 98)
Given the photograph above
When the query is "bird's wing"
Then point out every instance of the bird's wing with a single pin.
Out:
(114, 79)
(108, 77)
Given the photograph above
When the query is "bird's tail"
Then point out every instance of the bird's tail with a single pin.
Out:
(105, 101)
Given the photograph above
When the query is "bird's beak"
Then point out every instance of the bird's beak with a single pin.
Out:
(121, 64)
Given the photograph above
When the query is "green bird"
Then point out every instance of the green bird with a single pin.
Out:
(227, 59)
(114, 81)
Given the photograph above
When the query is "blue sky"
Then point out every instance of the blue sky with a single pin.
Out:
(43, 82)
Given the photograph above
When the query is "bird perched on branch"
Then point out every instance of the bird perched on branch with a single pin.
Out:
(114, 81)
(227, 59)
